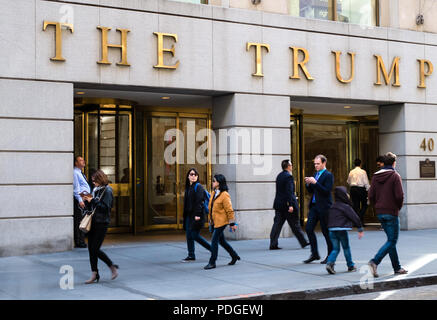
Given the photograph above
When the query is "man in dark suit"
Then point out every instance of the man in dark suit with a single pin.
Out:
(286, 207)
(320, 187)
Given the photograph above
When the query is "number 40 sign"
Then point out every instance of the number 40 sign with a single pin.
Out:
(427, 144)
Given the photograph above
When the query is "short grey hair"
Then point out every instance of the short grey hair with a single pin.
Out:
(321, 157)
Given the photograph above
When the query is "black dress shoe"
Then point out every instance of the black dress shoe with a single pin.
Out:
(187, 259)
(275, 248)
(234, 259)
(305, 245)
(81, 245)
(324, 261)
(209, 266)
(311, 259)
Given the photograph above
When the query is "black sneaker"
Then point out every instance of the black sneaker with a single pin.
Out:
(352, 269)
(188, 259)
(330, 268)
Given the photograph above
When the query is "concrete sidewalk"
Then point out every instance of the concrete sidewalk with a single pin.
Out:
(153, 270)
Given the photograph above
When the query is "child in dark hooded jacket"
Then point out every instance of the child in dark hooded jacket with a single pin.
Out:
(341, 219)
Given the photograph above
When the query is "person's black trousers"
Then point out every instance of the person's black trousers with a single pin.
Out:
(293, 222)
(359, 201)
(95, 240)
(79, 236)
(315, 216)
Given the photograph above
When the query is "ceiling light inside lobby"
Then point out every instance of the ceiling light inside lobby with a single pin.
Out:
(165, 98)
(347, 107)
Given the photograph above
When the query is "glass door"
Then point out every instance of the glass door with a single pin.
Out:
(331, 141)
(103, 137)
(161, 185)
(173, 143)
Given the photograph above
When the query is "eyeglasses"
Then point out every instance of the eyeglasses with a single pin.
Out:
(193, 174)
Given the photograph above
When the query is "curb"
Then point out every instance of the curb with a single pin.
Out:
(324, 293)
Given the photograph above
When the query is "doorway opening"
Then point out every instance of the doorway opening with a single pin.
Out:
(342, 139)
(134, 145)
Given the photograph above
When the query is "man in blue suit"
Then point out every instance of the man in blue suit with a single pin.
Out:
(286, 207)
(320, 187)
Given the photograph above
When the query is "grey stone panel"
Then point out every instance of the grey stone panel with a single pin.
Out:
(422, 216)
(36, 201)
(391, 118)
(251, 172)
(251, 110)
(422, 192)
(246, 140)
(36, 168)
(422, 114)
(278, 62)
(253, 225)
(36, 99)
(32, 135)
(194, 51)
(392, 142)
(32, 236)
(411, 166)
(80, 49)
(141, 51)
(233, 65)
(249, 196)
(408, 71)
(17, 39)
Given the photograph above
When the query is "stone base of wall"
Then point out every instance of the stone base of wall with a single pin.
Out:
(32, 236)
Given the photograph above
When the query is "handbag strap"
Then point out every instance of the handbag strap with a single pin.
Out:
(101, 196)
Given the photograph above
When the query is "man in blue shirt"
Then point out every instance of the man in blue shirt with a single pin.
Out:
(320, 188)
(80, 185)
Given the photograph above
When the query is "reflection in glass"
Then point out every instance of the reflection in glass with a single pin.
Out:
(357, 11)
(361, 12)
(315, 9)
(329, 140)
(161, 175)
(109, 150)
(192, 160)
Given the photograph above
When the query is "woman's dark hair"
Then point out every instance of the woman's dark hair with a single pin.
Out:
(100, 177)
(187, 180)
(222, 182)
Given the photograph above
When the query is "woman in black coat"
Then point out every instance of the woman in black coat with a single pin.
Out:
(100, 200)
(194, 213)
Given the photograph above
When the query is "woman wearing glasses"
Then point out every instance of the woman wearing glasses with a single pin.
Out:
(220, 215)
(101, 200)
(194, 214)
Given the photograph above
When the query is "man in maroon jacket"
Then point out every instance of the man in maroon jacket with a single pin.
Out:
(387, 195)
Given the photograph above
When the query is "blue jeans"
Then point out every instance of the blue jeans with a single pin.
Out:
(391, 226)
(338, 237)
(194, 235)
(219, 237)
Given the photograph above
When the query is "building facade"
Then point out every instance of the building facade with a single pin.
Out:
(146, 89)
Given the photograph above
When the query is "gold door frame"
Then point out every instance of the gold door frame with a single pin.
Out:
(110, 109)
(176, 113)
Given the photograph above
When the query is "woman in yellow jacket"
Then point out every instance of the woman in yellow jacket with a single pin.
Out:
(220, 215)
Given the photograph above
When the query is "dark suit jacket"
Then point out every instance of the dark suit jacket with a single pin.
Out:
(285, 196)
(322, 190)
